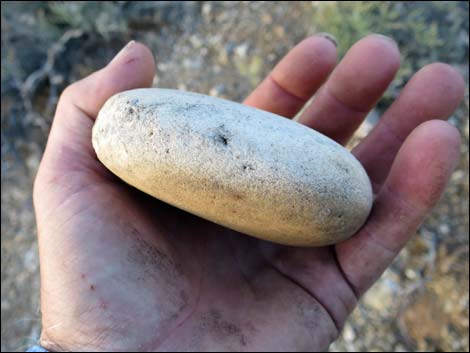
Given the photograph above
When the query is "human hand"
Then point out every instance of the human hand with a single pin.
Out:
(123, 271)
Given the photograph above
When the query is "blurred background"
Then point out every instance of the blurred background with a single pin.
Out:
(224, 49)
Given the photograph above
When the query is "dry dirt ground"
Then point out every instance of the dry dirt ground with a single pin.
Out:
(222, 49)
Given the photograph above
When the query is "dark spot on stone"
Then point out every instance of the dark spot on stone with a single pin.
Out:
(222, 139)
(167, 150)
(151, 133)
(222, 136)
(247, 167)
(341, 166)
(149, 106)
(184, 108)
(83, 276)
(236, 196)
(92, 287)
(189, 106)
(130, 110)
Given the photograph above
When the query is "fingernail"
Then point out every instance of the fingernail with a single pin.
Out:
(124, 50)
(382, 36)
(329, 37)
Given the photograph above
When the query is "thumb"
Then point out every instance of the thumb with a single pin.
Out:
(132, 67)
(69, 147)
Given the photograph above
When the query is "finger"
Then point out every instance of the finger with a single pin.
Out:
(69, 144)
(353, 88)
(434, 92)
(417, 179)
(80, 102)
(132, 67)
(296, 77)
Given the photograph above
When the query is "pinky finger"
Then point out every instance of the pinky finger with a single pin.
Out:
(416, 181)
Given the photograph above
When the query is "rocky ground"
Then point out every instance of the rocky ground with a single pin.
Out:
(224, 49)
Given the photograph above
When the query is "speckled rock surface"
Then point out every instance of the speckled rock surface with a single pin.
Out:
(249, 170)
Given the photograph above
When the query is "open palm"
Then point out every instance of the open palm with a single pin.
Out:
(123, 271)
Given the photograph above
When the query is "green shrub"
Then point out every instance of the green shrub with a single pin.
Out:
(425, 31)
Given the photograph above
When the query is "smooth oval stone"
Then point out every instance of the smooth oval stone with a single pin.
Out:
(244, 168)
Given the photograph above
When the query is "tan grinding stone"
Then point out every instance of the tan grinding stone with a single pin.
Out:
(246, 169)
